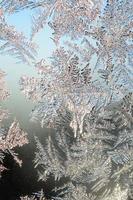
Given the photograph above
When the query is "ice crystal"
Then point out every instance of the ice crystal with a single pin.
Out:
(62, 85)
(14, 43)
(14, 136)
(85, 93)
(65, 17)
(99, 159)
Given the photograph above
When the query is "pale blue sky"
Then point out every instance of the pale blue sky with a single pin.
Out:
(23, 22)
(17, 104)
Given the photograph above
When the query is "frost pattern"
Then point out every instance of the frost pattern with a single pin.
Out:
(14, 43)
(85, 94)
(100, 159)
(65, 17)
(13, 136)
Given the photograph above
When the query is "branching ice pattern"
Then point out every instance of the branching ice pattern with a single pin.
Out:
(99, 160)
(12, 137)
(65, 17)
(85, 94)
(14, 43)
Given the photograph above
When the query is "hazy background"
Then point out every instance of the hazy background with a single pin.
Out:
(17, 104)
(23, 180)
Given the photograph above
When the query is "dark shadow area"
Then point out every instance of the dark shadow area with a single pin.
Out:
(21, 181)
(16, 181)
